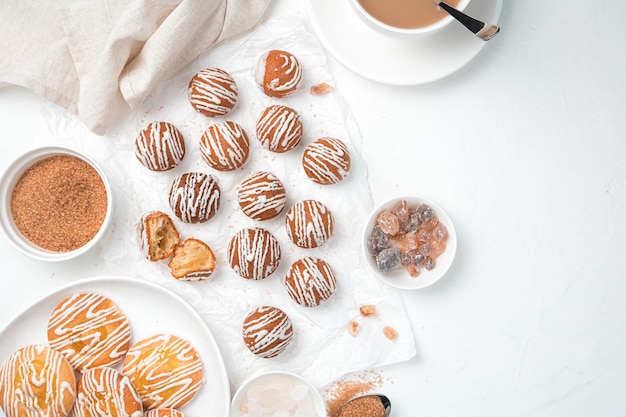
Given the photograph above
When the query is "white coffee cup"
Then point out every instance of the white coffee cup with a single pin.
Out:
(388, 28)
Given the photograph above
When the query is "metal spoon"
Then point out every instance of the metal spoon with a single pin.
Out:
(383, 399)
(480, 29)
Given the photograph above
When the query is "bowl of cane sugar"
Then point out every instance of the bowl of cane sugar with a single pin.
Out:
(409, 242)
(277, 394)
(55, 203)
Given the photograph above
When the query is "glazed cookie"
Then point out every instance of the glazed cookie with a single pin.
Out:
(278, 73)
(165, 369)
(261, 196)
(193, 260)
(194, 197)
(309, 224)
(310, 281)
(213, 92)
(160, 146)
(279, 128)
(106, 392)
(254, 253)
(225, 146)
(89, 330)
(158, 236)
(326, 161)
(267, 331)
(37, 381)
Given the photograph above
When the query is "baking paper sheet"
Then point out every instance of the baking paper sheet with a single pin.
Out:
(322, 349)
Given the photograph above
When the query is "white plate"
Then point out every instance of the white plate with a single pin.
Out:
(150, 309)
(397, 61)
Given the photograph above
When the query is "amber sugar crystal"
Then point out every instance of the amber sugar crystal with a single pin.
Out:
(59, 203)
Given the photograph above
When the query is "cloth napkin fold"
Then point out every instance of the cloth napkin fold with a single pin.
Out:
(98, 58)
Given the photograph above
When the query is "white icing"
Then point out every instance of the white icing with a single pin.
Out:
(107, 392)
(79, 320)
(309, 224)
(326, 161)
(213, 92)
(194, 197)
(261, 195)
(310, 281)
(254, 253)
(225, 146)
(279, 128)
(160, 146)
(267, 331)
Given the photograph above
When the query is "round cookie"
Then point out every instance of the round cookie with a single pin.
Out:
(261, 196)
(89, 330)
(225, 146)
(194, 197)
(37, 380)
(279, 128)
(326, 161)
(165, 369)
(309, 224)
(213, 92)
(106, 392)
(310, 281)
(267, 331)
(163, 412)
(158, 236)
(254, 253)
(160, 146)
(278, 73)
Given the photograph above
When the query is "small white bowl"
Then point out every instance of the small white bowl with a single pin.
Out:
(401, 278)
(274, 388)
(393, 31)
(9, 179)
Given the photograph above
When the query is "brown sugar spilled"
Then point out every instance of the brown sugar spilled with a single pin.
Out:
(59, 203)
(341, 391)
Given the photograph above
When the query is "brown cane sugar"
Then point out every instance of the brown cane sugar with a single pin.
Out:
(366, 406)
(59, 203)
(339, 392)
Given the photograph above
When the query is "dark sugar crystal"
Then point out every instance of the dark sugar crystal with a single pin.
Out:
(372, 246)
(389, 260)
(426, 249)
(440, 232)
(425, 212)
(412, 224)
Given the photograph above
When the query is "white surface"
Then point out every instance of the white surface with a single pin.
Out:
(525, 149)
(150, 310)
(393, 60)
(400, 278)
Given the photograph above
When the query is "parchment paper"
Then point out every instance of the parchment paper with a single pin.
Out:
(322, 349)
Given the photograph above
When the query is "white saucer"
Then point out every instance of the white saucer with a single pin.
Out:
(397, 61)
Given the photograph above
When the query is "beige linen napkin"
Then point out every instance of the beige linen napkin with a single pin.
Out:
(98, 58)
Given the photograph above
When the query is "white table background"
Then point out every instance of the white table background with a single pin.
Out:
(526, 149)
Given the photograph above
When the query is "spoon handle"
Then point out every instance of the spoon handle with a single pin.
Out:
(485, 32)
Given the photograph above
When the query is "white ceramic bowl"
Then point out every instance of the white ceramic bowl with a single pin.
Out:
(274, 388)
(401, 278)
(401, 32)
(8, 181)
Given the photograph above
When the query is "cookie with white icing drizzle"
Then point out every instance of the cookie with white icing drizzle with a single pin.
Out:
(160, 146)
(279, 128)
(309, 224)
(89, 330)
(267, 331)
(35, 381)
(261, 196)
(254, 253)
(165, 369)
(194, 197)
(225, 146)
(164, 412)
(106, 392)
(326, 161)
(310, 281)
(278, 73)
(213, 92)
